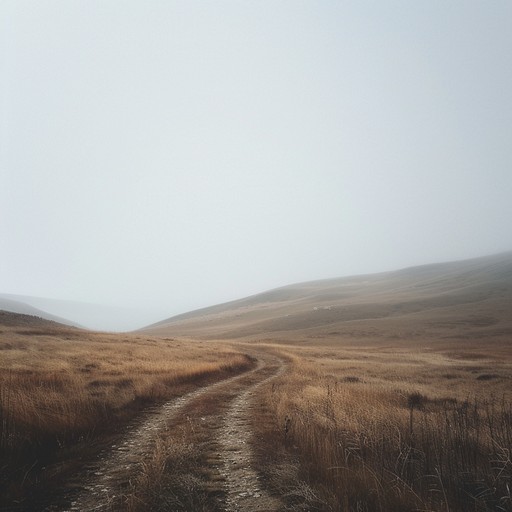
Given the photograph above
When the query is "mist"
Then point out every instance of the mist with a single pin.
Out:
(167, 156)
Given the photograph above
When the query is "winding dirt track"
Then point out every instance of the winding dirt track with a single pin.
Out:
(226, 435)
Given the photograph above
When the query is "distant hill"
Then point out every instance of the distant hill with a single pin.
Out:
(8, 304)
(464, 299)
(20, 320)
(80, 314)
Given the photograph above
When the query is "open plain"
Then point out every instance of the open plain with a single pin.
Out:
(387, 392)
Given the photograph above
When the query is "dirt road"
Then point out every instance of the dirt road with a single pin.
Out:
(220, 416)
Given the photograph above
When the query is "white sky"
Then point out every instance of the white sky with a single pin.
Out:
(176, 154)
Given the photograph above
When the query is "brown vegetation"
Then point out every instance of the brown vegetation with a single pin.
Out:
(463, 300)
(61, 388)
(397, 396)
(203, 462)
(394, 428)
(399, 393)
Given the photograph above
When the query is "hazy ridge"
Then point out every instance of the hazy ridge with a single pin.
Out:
(20, 307)
(79, 314)
(435, 299)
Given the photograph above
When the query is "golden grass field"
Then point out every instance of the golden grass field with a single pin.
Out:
(397, 394)
(396, 427)
(61, 387)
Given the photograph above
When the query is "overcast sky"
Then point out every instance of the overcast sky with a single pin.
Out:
(169, 155)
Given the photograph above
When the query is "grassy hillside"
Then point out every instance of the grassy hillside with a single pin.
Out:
(459, 299)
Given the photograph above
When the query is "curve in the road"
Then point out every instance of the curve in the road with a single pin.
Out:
(105, 479)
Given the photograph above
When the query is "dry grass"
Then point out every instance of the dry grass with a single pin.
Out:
(175, 475)
(397, 428)
(60, 388)
(353, 426)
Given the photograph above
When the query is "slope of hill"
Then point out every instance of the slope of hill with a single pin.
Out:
(465, 299)
(80, 314)
(8, 304)
(32, 324)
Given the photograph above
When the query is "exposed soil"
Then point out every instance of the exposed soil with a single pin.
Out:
(220, 414)
(243, 489)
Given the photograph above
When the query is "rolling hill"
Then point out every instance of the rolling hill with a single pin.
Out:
(80, 314)
(9, 304)
(469, 299)
(32, 324)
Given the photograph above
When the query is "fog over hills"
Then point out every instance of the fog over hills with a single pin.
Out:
(457, 299)
(79, 314)
(436, 298)
(170, 155)
(20, 306)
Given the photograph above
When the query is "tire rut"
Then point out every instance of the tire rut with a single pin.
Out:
(235, 485)
(244, 491)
